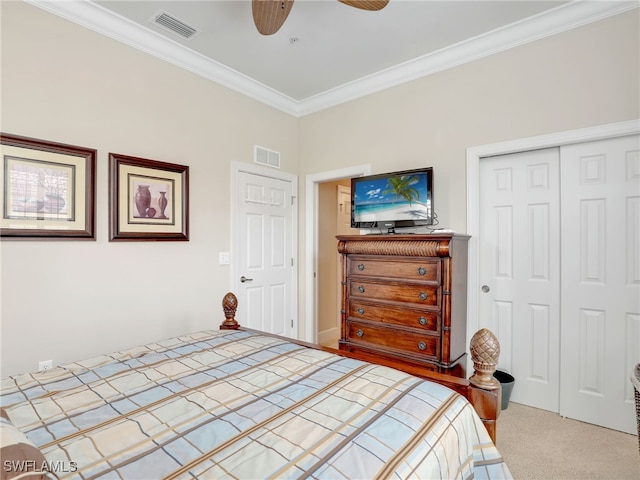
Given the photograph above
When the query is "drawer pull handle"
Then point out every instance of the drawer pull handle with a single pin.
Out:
(360, 333)
(421, 271)
(423, 296)
(422, 346)
(423, 321)
(361, 311)
(361, 289)
(360, 266)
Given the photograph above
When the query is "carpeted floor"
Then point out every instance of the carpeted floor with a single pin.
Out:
(541, 445)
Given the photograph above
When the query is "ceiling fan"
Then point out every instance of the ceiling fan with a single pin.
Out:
(269, 15)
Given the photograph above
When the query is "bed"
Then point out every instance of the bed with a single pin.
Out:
(236, 403)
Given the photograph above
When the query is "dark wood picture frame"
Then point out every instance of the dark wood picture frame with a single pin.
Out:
(148, 200)
(47, 189)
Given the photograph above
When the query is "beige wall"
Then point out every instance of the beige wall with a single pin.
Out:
(68, 300)
(584, 77)
(60, 82)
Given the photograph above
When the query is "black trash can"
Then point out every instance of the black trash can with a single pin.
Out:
(506, 381)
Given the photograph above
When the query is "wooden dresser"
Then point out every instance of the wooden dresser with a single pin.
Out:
(404, 297)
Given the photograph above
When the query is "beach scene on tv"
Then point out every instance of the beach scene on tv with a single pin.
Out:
(400, 197)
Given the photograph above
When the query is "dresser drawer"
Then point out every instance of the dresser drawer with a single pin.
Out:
(402, 316)
(427, 270)
(416, 344)
(423, 295)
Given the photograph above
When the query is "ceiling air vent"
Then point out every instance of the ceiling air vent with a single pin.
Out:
(267, 157)
(171, 23)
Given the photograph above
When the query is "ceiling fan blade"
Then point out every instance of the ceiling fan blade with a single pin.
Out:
(269, 15)
(366, 4)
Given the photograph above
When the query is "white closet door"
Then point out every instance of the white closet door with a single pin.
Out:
(600, 281)
(519, 245)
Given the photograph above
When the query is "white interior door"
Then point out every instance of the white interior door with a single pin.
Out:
(519, 243)
(264, 252)
(600, 281)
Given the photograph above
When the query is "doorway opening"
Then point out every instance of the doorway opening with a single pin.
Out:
(313, 207)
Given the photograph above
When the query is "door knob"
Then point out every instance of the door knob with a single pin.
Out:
(485, 288)
(245, 279)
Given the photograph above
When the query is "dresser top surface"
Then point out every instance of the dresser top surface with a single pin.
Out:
(403, 237)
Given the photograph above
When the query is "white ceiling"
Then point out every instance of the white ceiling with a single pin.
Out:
(339, 52)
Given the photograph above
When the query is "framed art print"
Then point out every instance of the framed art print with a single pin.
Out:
(148, 199)
(48, 189)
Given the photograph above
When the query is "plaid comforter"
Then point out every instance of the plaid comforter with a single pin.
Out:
(238, 404)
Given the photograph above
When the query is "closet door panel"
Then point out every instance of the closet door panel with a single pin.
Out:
(600, 287)
(519, 245)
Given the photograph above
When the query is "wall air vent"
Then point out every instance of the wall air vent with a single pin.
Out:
(171, 23)
(267, 157)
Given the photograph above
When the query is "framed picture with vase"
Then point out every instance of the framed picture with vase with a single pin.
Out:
(149, 200)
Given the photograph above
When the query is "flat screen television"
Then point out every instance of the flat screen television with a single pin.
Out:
(393, 200)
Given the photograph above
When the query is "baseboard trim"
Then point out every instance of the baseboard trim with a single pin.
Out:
(330, 336)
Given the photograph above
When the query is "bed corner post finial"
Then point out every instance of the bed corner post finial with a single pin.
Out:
(485, 352)
(229, 305)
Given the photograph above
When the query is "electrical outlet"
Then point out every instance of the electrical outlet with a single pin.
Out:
(45, 365)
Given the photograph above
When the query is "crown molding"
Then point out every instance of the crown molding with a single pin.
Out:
(560, 19)
(112, 25)
(101, 20)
